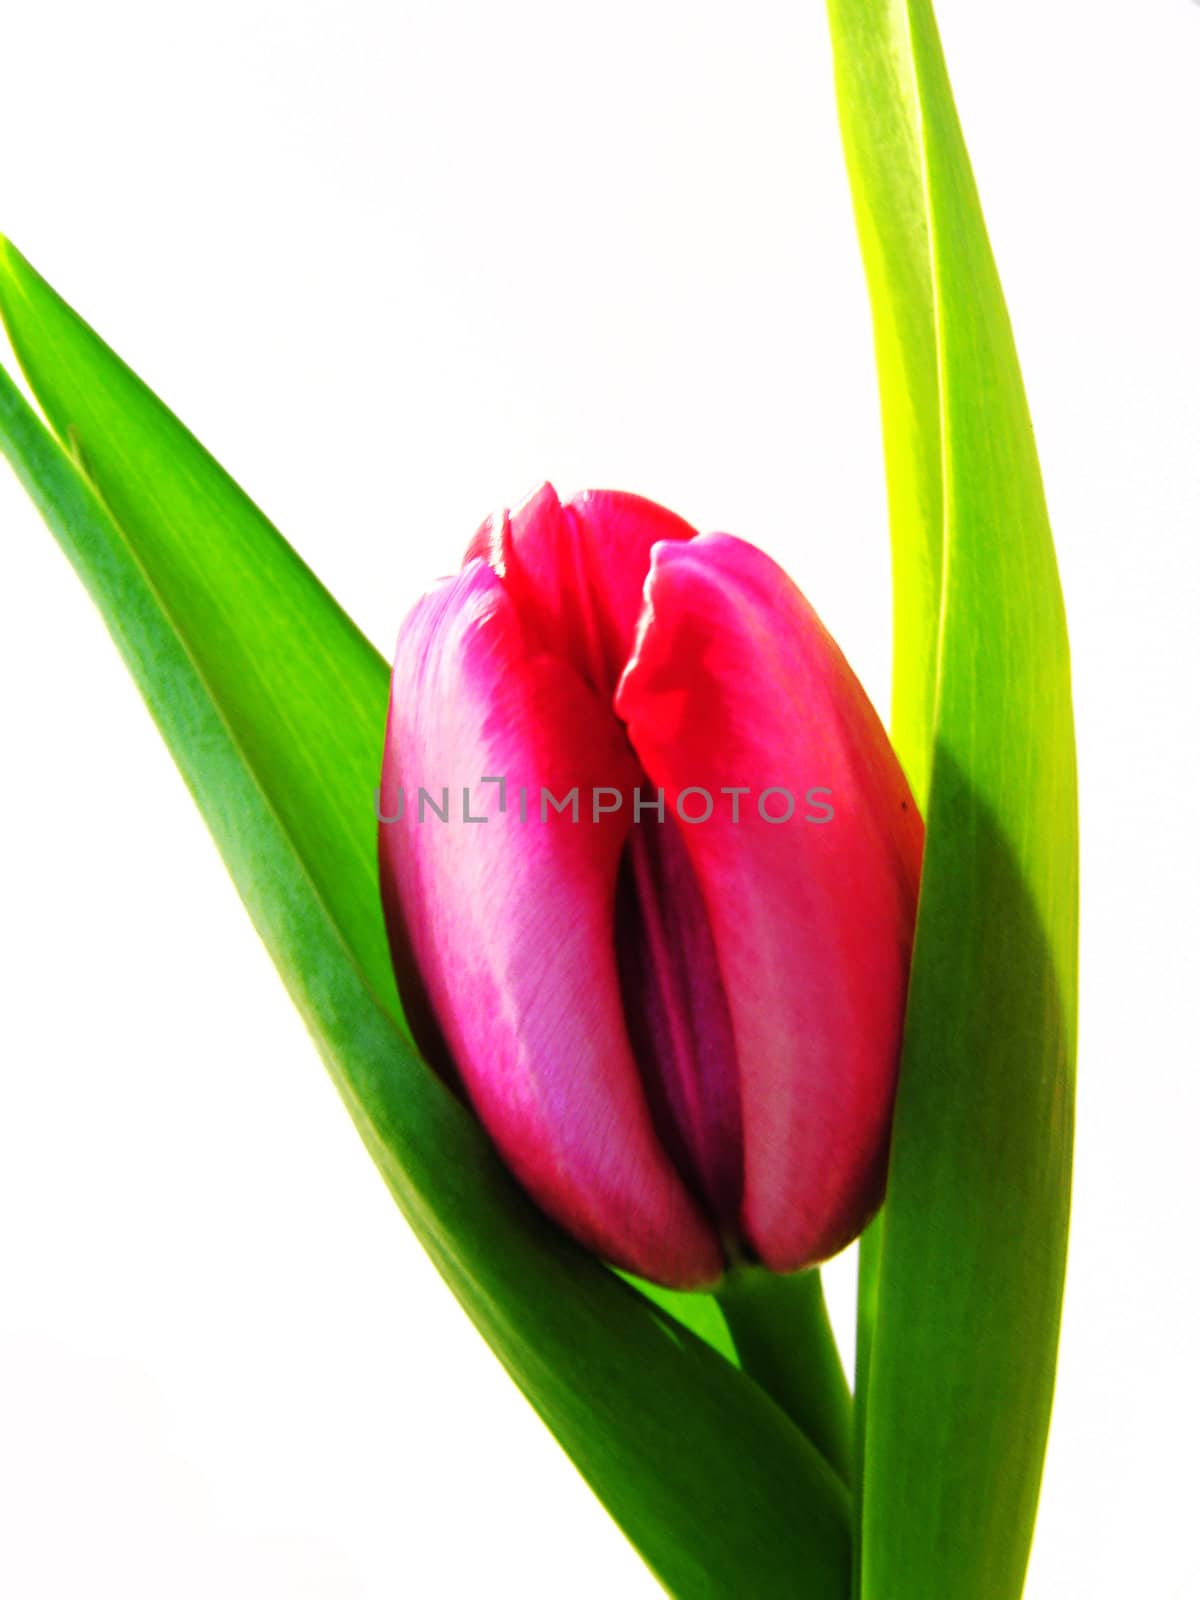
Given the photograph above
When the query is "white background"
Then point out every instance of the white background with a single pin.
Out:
(395, 264)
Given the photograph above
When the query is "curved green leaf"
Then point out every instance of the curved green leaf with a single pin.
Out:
(251, 613)
(971, 1245)
(712, 1482)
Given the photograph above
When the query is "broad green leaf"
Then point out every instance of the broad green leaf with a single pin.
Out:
(722, 1494)
(259, 621)
(972, 1242)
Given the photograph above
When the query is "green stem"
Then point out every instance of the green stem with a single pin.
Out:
(780, 1328)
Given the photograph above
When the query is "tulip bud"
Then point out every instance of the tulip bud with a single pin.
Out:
(653, 873)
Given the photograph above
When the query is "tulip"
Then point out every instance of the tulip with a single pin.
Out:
(676, 1005)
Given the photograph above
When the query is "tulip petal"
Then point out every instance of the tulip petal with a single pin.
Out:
(677, 1015)
(735, 683)
(511, 921)
(577, 571)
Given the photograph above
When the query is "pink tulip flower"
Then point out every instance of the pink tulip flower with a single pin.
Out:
(650, 866)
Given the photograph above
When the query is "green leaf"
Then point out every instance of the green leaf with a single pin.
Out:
(721, 1493)
(877, 107)
(971, 1246)
(251, 613)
